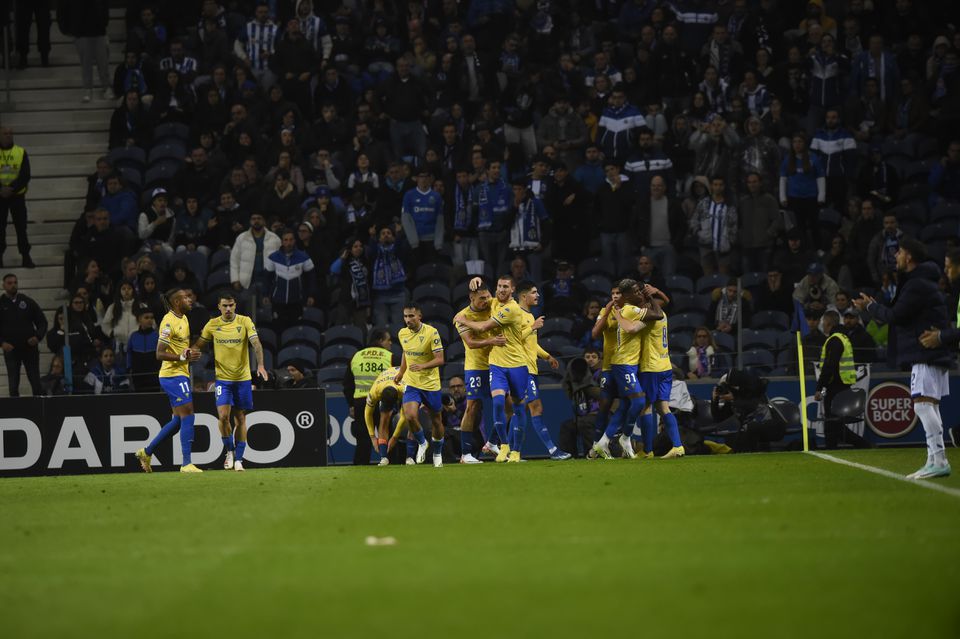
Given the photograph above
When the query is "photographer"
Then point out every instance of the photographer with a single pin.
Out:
(817, 289)
(740, 404)
(454, 405)
(581, 383)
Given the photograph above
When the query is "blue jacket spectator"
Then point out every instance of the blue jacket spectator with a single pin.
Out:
(493, 205)
(802, 180)
(107, 376)
(878, 64)
(826, 74)
(142, 352)
(121, 204)
(944, 176)
(422, 213)
(646, 162)
(293, 273)
(618, 120)
(836, 148)
(590, 174)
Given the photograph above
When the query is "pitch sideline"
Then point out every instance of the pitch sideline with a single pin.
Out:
(954, 492)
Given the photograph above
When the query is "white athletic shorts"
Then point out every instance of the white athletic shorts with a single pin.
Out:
(929, 381)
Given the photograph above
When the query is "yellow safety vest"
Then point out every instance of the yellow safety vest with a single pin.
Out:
(848, 369)
(366, 365)
(10, 161)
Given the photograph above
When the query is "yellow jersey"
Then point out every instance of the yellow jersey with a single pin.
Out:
(231, 350)
(628, 344)
(475, 359)
(656, 347)
(418, 348)
(514, 323)
(533, 349)
(175, 333)
(384, 380)
(610, 330)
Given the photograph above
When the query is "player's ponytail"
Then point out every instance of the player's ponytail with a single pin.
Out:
(168, 298)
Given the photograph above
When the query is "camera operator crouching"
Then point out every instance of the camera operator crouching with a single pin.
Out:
(743, 414)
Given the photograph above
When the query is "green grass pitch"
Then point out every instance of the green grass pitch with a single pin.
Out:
(775, 545)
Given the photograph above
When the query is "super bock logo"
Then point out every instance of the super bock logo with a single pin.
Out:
(890, 410)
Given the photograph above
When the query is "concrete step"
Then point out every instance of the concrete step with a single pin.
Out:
(66, 210)
(57, 188)
(58, 121)
(57, 143)
(98, 102)
(39, 250)
(64, 164)
(48, 231)
(25, 390)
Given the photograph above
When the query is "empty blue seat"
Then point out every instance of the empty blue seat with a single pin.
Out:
(709, 282)
(132, 156)
(432, 292)
(218, 279)
(597, 284)
(301, 335)
(343, 334)
(168, 151)
(298, 352)
(454, 352)
(268, 337)
(724, 341)
(219, 258)
(685, 322)
(777, 320)
(679, 284)
(331, 374)
(556, 326)
(759, 339)
(314, 317)
(596, 266)
(761, 361)
(337, 354)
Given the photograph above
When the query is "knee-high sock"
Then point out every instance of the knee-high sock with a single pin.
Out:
(929, 415)
(227, 442)
(241, 447)
(437, 446)
(167, 431)
(411, 447)
(672, 428)
(600, 425)
(466, 442)
(500, 417)
(186, 437)
(648, 426)
(517, 423)
(544, 434)
(420, 437)
(619, 420)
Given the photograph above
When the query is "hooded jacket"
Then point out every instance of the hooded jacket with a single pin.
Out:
(918, 306)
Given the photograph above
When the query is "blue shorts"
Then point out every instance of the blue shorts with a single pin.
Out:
(177, 389)
(512, 380)
(533, 390)
(656, 386)
(625, 380)
(607, 386)
(430, 399)
(478, 384)
(236, 394)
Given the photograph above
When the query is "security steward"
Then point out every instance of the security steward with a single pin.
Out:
(14, 178)
(838, 372)
(365, 366)
(22, 327)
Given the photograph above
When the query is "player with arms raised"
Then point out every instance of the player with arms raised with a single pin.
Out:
(508, 363)
(420, 371)
(173, 349)
(476, 363)
(232, 335)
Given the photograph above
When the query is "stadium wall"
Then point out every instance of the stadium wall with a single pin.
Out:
(100, 433)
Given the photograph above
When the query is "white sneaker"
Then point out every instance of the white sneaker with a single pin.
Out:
(384, 462)
(469, 459)
(490, 449)
(602, 450)
(228, 460)
(410, 462)
(627, 447)
(238, 466)
(438, 461)
(86, 97)
(422, 452)
(108, 94)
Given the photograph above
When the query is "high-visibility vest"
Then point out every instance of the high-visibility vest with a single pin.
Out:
(366, 365)
(848, 369)
(10, 161)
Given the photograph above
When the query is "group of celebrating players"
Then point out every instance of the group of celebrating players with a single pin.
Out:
(499, 335)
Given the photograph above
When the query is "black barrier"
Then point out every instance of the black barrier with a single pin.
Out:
(101, 433)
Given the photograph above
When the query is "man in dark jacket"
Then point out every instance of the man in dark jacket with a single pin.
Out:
(405, 101)
(661, 224)
(22, 326)
(838, 372)
(292, 62)
(613, 216)
(918, 306)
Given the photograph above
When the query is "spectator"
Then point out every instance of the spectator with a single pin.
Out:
(193, 227)
(755, 96)
(300, 375)
(130, 124)
(97, 183)
(881, 254)
(529, 218)
(701, 356)
(865, 228)
(878, 179)
(405, 102)
(614, 215)
(567, 203)
(24, 15)
(493, 197)
(827, 71)
(281, 203)
(878, 64)
(257, 44)
(837, 151)
(22, 326)
(648, 272)
(14, 181)
(293, 281)
(84, 337)
(816, 289)
(583, 326)
(106, 375)
(757, 154)
(292, 64)
(647, 162)
(52, 383)
(727, 310)
(249, 255)
(619, 118)
(387, 253)
(590, 173)
(142, 362)
(836, 266)
(461, 215)
(803, 188)
(101, 242)
(723, 53)
(760, 225)
(422, 218)
(563, 295)
(353, 306)
(179, 61)
(134, 75)
(96, 282)
(864, 348)
(910, 113)
(714, 144)
(773, 295)
(714, 225)
(199, 177)
(563, 129)
(121, 203)
(157, 225)
(87, 23)
(944, 177)
(119, 321)
(148, 293)
(174, 101)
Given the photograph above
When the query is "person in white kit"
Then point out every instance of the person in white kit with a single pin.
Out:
(918, 306)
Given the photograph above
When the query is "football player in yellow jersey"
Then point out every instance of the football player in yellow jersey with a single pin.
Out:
(232, 335)
(606, 326)
(383, 399)
(623, 367)
(656, 371)
(476, 363)
(530, 297)
(173, 349)
(420, 371)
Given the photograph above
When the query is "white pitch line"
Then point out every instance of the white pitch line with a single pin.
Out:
(953, 492)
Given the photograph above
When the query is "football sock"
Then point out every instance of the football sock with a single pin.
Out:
(382, 447)
(600, 425)
(227, 442)
(517, 422)
(421, 438)
(438, 446)
(466, 442)
(186, 437)
(167, 431)
(648, 426)
(544, 434)
(672, 428)
(618, 420)
(241, 447)
(500, 417)
(929, 415)
(411, 448)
